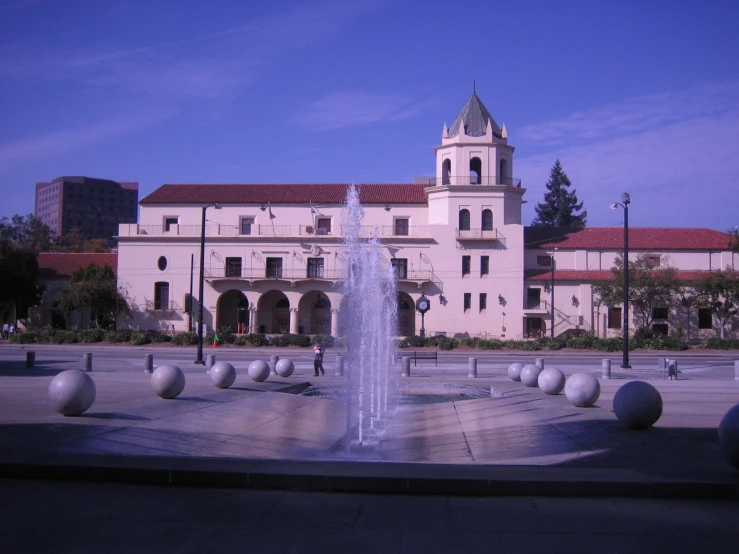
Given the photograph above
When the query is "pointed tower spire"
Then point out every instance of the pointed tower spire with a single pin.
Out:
(504, 132)
(473, 119)
(489, 129)
(445, 132)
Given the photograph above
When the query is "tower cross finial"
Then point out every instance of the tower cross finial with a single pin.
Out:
(473, 85)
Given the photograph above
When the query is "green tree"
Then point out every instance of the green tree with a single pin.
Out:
(650, 287)
(95, 289)
(75, 242)
(27, 231)
(719, 291)
(560, 205)
(18, 274)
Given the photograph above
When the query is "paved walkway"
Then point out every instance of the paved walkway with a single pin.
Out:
(477, 470)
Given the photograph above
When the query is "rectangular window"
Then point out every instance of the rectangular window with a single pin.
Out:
(246, 223)
(400, 268)
(653, 261)
(161, 296)
(484, 265)
(660, 313)
(315, 267)
(401, 227)
(323, 226)
(169, 221)
(533, 299)
(467, 301)
(614, 318)
(274, 267)
(705, 318)
(544, 261)
(233, 267)
(465, 265)
(483, 301)
(660, 329)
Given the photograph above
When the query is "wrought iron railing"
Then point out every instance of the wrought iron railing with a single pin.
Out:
(493, 180)
(253, 273)
(480, 234)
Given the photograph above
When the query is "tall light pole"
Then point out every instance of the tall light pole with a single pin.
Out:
(199, 358)
(551, 330)
(625, 201)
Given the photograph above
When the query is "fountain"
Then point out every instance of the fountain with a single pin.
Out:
(369, 315)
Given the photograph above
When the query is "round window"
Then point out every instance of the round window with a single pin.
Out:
(162, 263)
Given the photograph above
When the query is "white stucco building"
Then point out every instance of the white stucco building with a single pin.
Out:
(274, 256)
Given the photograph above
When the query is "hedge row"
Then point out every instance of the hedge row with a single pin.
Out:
(48, 335)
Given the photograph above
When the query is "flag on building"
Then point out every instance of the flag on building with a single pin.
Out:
(271, 215)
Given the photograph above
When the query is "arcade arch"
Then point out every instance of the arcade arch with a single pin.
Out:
(232, 310)
(274, 313)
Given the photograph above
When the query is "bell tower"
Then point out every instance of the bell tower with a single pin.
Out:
(474, 149)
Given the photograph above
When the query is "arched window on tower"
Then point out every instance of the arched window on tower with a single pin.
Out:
(464, 220)
(487, 220)
(446, 172)
(503, 173)
(475, 171)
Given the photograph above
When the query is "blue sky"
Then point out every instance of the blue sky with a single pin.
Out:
(635, 96)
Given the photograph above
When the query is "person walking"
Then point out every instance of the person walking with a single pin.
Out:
(11, 330)
(5, 331)
(318, 350)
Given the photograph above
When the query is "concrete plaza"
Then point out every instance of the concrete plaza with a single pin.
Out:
(466, 454)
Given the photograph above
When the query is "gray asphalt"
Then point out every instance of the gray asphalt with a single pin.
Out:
(450, 508)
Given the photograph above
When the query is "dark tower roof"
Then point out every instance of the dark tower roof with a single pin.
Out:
(475, 117)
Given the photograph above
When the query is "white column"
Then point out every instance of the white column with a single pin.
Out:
(294, 321)
(253, 319)
(334, 322)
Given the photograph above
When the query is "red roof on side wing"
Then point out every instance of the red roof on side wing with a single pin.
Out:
(612, 238)
(589, 276)
(63, 264)
(286, 194)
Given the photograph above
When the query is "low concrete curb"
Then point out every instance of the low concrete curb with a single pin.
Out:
(369, 477)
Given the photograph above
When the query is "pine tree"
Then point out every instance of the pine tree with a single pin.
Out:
(560, 205)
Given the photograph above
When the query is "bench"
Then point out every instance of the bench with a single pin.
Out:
(415, 356)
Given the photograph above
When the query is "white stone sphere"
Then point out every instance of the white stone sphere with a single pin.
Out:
(551, 380)
(168, 381)
(259, 370)
(285, 367)
(637, 404)
(530, 375)
(514, 371)
(582, 389)
(72, 392)
(222, 374)
(728, 436)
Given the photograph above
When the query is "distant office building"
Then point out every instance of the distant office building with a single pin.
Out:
(94, 206)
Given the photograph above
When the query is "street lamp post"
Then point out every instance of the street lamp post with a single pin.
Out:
(199, 358)
(551, 330)
(625, 201)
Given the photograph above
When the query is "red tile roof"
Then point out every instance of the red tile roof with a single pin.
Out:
(588, 276)
(612, 238)
(286, 194)
(63, 264)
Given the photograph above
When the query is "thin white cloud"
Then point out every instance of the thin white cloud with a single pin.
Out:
(635, 115)
(67, 140)
(230, 60)
(681, 174)
(338, 110)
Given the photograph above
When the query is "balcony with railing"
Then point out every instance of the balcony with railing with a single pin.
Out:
(478, 234)
(418, 277)
(493, 180)
(171, 307)
(265, 231)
